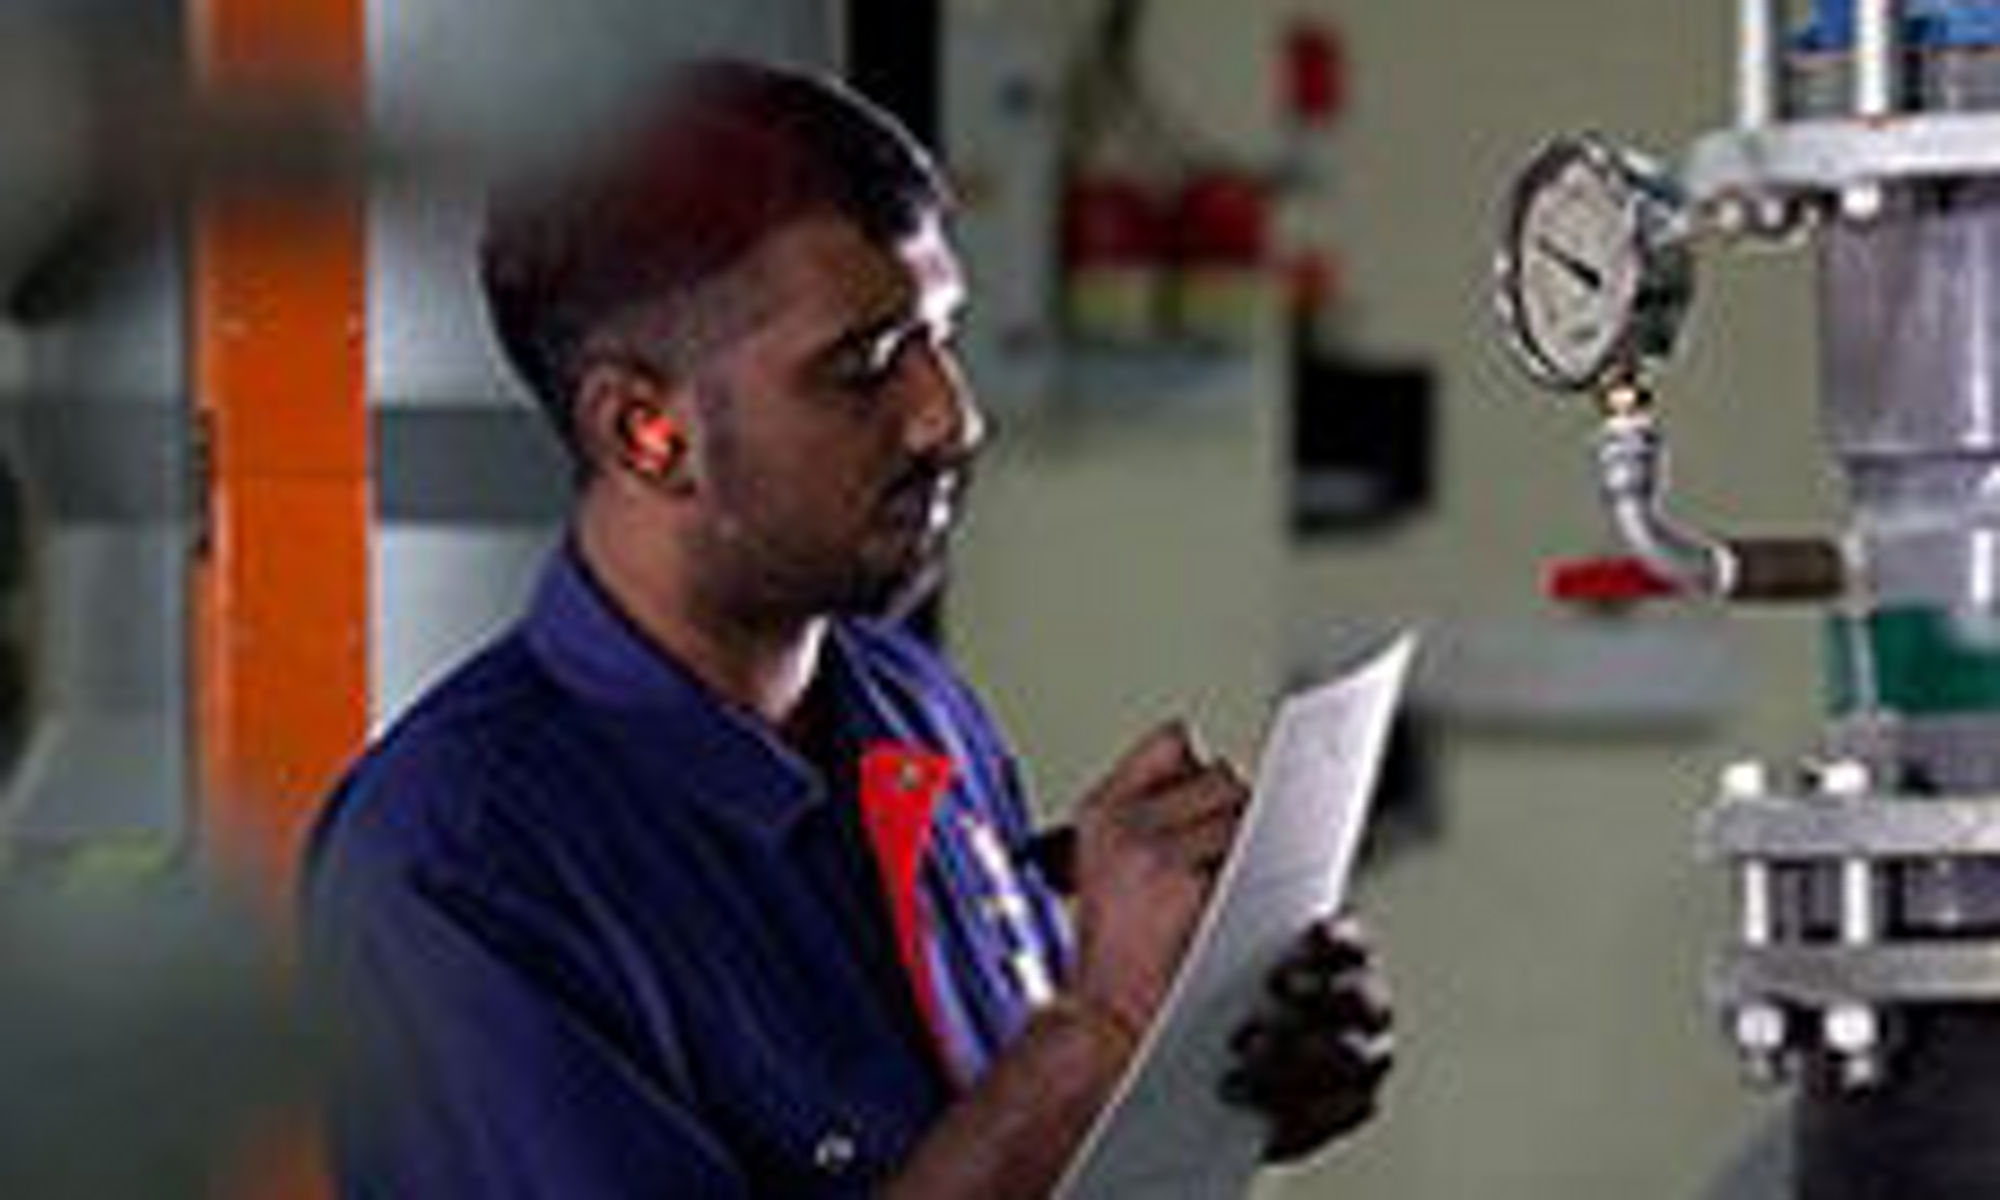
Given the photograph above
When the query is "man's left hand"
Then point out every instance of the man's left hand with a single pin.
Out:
(1313, 1056)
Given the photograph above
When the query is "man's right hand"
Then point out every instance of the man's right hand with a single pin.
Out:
(1150, 840)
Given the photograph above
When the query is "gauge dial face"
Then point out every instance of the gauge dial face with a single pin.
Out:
(1582, 270)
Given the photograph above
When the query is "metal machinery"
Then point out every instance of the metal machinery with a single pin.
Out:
(1865, 967)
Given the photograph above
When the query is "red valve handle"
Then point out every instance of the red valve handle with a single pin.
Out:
(1605, 582)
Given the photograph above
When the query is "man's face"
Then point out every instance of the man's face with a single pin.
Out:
(833, 437)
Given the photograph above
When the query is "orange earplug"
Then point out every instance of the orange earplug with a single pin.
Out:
(657, 440)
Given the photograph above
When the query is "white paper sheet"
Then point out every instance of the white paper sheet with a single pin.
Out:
(1167, 1135)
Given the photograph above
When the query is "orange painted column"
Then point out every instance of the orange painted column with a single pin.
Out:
(277, 336)
(281, 590)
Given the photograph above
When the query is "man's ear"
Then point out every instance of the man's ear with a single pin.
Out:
(629, 422)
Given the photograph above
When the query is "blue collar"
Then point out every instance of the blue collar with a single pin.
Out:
(736, 765)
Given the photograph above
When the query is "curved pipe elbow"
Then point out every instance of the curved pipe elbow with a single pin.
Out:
(1631, 461)
(1693, 562)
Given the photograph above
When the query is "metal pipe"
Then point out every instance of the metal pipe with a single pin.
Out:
(1877, 57)
(1694, 562)
(1758, 64)
(1631, 469)
(1631, 462)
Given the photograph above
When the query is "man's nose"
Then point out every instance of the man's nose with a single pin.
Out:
(945, 418)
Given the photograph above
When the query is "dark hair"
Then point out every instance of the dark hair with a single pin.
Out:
(732, 151)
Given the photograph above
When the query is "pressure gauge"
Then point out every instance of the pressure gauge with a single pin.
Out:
(1594, 269)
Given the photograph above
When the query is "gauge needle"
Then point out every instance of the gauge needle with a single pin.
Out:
(1578, 269)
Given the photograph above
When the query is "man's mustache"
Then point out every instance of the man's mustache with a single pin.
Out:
(929, 476)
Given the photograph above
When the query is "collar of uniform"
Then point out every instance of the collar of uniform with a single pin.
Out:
(748, 775)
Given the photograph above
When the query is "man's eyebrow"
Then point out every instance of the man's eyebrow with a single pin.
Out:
(897, 324)
(869, 333)
(875, 330)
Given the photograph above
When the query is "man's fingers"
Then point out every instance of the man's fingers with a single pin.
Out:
(1310, 1089)
(1208, 794)
(1301, 1125)
(1301, 1121)
(1339, 941)
(1349, 998)
(1315, 1057)
(1296, 1135)
(1281, 1062)
(1289, 1036)
(1193, 824)
(1204, 846)
(1166, 753)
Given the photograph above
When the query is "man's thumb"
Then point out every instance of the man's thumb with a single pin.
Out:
(1168, 752)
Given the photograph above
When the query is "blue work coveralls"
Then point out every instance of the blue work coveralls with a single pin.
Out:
(587, 931)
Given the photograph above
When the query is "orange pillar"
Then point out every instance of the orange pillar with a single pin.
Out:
(281, 585)
(277, 337)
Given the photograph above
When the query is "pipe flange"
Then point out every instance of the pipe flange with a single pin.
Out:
(1834, 157)
(1826, 976)
(1784, 829)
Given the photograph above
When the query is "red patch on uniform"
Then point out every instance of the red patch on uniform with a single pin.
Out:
(901, 785)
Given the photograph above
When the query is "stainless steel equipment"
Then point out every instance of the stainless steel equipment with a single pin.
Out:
(1864, 971)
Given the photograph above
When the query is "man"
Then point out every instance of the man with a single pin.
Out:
(697, 883)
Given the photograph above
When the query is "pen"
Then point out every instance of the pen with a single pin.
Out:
(1053, 851)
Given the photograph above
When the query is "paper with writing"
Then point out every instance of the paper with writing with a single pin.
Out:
(1167, 1133)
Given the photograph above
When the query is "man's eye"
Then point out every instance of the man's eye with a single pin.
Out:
(867, 366)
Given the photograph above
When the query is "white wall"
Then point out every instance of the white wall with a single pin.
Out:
(1549, 950)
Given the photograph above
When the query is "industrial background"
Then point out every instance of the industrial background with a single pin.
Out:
(1219, 471)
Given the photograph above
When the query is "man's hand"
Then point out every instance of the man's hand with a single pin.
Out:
(1149, 840)
(1314, 1056)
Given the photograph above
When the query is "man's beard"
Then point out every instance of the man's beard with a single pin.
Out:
(890, 573)
(895, 590)
(901, 597)
(897, 563)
